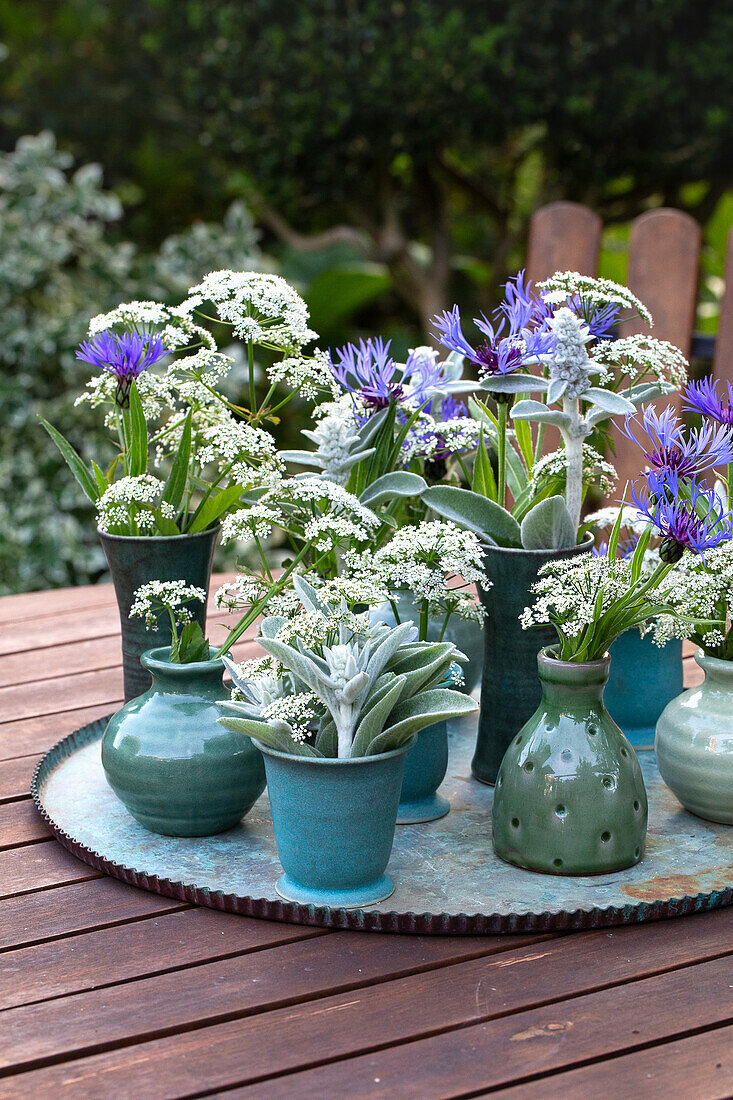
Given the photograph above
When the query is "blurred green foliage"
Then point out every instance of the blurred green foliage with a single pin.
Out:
(390, 151)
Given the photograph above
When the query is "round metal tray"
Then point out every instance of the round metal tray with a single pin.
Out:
(448, 879)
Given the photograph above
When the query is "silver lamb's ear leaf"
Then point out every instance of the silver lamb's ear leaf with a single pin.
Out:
(548, 526)
(612, 403)
(233, 670)
(270, 626)
(453, 366)
(301, 458)
(535, 410)
(401, 483)
(308, 595)
(513, 383)
(273, 737)
(374, 721)
(370, 427)
(300, 665)
(412, 715)
(476, 513)
(556, 389)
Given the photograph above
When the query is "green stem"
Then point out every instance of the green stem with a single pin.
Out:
(502, 411)
(251, 366)
(424, 621)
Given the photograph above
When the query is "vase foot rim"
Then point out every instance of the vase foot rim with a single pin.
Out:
(422, 809)
(359, 898)
(568, 873)
(480, 779)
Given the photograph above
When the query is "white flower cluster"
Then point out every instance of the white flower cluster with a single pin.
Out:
(605, 518)
(309, 374)
(432, 437)
(316, 628)
(155, 597)
(426, 560)
(698, 591)
(132, 500)
(569, 361)
(595, 469)
(298, 712)
(316, 509)
(157, 395)
(592, 292)
(262, 308)
(243, 447)
(638, 357)
(176, 329)
(567, 590)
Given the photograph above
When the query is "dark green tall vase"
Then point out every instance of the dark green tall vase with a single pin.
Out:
(135, 560)
(570, 797)
(169, 761)
(510, 690)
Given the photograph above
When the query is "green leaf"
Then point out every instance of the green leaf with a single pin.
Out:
(389, 486)
(87, 482)
(484, 481)
(484, 517)
(138, 440)
(372, 724)
(193, 646)
(272, 738)
(412, 715)
(535, 410)
(164, 524)
(612, 403)
(327, 738)
(102, 483)
(175, 486)
(209, 511)
(548, 526)
(523, 433)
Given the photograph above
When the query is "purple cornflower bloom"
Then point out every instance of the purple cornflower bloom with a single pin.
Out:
(688, 514)
(703, 397)
(368, 371)
(625, 548)
(424, 374)
(667, 448)
(126, 356)
(452, 409)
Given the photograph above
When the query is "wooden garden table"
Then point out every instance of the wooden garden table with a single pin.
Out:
(108, 991)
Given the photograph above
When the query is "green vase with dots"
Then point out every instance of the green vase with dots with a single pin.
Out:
(569, 797)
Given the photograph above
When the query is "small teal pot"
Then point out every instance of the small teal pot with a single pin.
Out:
(169, 761)
(694, 743)
(644, 678)
(135, 560)
(466, 636)
(334, 823)
(425, 767)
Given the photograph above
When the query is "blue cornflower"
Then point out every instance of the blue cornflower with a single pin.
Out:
(424, 374)
(125, 355)
(499, 354)
(625, 548)
(668, 448)
(525, 309)
(688, 514)
(703, 397)
(452, 409)
(368, 371)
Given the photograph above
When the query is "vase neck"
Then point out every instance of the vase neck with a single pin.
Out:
(716, 671)
(200, 677)
(564, 682)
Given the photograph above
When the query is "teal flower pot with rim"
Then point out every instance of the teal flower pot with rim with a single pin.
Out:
(136, 559)
(570, 797)
(694, 743)
(644, 678)
(425, 767)
(510, 690)
(334, 823)
(169, 761)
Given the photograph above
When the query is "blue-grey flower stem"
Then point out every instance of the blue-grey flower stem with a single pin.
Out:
(573, 437)
(502, 410)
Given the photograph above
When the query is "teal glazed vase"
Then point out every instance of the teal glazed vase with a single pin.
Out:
(694, 743)
(570, 797)
(334, 823)
(135, 560)
(644, 678)
(425, 767)
(510, 690)
(166, 757)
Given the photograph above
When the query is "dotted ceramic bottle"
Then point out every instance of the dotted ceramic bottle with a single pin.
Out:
(569, 797)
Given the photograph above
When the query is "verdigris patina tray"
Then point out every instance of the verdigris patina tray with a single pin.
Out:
(447, 877)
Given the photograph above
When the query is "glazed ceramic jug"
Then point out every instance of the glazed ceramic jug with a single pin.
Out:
(167, 758)
(694, 743)
(570, 798)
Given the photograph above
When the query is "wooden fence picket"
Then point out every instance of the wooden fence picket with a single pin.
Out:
(723, 358)
(563, 236)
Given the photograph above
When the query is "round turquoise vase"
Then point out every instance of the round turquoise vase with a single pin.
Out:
(135, 560)
(169, 761)
(644, 678)
(510, 691)
(569, 797)
(334, 823)
(694, 743)
(425, 767)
